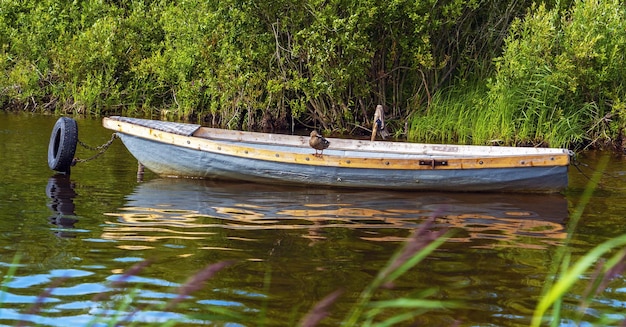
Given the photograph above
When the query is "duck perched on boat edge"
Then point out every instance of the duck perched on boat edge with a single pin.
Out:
(318, 142)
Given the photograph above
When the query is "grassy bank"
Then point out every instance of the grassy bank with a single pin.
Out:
(559, 82)
(471, 114)
(546, 73)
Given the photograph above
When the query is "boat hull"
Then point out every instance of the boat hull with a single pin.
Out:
(173, 160)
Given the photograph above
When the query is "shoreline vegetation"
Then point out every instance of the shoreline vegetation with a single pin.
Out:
(547, 73)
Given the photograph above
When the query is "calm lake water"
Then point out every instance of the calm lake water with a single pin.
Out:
(75, 236)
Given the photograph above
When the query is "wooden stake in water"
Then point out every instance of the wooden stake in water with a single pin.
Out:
(379, 123)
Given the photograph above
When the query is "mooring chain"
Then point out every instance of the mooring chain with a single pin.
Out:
(579, 165)
(101, 149)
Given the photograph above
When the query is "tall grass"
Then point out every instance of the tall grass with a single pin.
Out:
(517, 115)
(466, 115)
(451, 117)
(565, 274)
(558, 82)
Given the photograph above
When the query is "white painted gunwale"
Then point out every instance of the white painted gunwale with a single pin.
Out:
(376, 146)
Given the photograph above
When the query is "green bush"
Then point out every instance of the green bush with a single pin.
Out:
(237, 64)
(558, 82)
(561, 75)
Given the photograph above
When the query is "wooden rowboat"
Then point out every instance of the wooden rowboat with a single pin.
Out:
(189, 150)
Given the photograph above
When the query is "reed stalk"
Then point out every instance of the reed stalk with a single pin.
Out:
(564, 275)
(419, 245)
(6, 279)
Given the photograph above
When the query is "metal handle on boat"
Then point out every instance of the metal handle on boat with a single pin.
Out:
(433, 163)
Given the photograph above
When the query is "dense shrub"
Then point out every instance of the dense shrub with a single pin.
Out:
(558, 82)
(239, 64)
(566, 70)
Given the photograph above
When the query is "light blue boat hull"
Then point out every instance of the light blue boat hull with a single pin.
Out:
(171, 160)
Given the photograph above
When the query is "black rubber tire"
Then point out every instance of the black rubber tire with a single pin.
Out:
(62, 145)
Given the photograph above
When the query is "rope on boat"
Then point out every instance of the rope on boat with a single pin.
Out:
(101, 149)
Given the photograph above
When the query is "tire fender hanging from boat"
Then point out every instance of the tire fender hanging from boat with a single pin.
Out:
(62, 146)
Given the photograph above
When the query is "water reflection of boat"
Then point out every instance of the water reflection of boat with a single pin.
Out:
(194, 209)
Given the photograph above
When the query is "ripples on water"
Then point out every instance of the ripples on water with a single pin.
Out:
(299, 235)
(189, 209)
(77, 236)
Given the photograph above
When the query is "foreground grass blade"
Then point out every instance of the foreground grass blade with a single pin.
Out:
(421, 244)
(554, 291)
(8, 277)
(572, 276)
